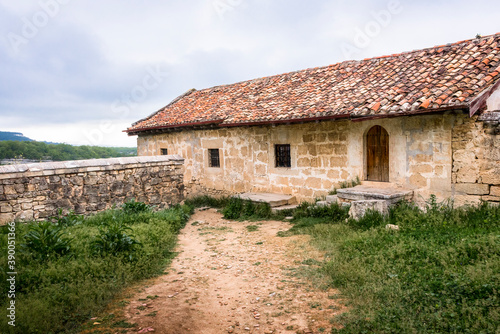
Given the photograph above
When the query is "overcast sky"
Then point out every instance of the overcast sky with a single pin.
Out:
(80, 72)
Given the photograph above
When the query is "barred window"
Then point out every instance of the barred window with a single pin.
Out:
(213, 157)
(282, 154)
(164, 151)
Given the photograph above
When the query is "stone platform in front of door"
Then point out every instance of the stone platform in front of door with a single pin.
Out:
(375, 191)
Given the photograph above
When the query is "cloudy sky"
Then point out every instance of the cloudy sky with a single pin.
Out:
(80, 72)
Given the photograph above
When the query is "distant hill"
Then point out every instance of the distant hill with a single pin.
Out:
(16, 136)
(14, 145)
(34, 150)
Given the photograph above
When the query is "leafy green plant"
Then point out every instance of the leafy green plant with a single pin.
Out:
(132, 207)
(115, 239)
(68, 219)
(45, 240)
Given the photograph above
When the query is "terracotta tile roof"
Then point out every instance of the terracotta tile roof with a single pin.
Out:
(453, 76)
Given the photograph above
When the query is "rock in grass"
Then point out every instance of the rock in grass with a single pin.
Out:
(392, 227)
(359, 208)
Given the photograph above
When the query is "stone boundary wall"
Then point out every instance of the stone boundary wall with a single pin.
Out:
(38, 190)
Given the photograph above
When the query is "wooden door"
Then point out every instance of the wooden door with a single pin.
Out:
(377, 149)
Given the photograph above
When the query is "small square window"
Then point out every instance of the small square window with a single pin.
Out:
(282, 154)
(164, 151)
(213, 157)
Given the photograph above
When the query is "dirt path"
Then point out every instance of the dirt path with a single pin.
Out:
(227, 279)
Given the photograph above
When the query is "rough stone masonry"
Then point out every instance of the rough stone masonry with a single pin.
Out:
(37, 191)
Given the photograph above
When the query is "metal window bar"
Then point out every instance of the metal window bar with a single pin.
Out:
(213, 157)
(282, 153)
(164, 151)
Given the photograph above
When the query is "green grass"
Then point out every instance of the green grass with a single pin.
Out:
(346, 184)
(238, 209)
(207, 201)
(439, 274)
(252, 228)
(60, 285)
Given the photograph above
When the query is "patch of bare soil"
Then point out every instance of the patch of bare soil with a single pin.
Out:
(227, 279)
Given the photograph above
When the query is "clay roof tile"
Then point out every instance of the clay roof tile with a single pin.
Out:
(441, 77)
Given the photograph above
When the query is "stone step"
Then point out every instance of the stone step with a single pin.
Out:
(274, 200)
(285, 207)
(364, 193)
(332, 198)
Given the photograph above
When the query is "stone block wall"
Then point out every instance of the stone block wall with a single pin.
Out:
(476, 159)
(37, 191)
(323, 154)
(247, 162)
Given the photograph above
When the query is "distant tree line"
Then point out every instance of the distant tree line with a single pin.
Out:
(34, 150)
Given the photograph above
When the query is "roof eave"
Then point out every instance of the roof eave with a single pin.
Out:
(361, 118)
(134, 132)
(286, 121)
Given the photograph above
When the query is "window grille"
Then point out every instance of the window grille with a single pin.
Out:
(282, 153)
(213, 158)
(164, 151)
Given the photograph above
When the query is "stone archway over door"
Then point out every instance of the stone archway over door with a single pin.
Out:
(377, 154)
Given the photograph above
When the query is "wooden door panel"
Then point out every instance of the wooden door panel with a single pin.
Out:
(377, 149)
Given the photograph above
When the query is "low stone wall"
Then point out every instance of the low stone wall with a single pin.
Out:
(37, 191)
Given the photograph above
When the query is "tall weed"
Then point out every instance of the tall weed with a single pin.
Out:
(116, 239)
(45, 240)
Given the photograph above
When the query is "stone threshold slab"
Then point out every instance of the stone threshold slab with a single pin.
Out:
(274, 200)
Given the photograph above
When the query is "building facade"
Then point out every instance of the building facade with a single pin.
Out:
(427, 120)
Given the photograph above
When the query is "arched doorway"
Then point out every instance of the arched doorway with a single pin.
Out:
(377, 154)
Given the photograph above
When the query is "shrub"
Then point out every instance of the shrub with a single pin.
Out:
(115, 239)
(66, 220)
(234, 209)
(45, 240)
(263, 211)
(201, 201)
(248, 209)
(132, 207)
(369, 220)
(332, 213)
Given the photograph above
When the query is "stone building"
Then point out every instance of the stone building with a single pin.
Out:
(425, 120)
